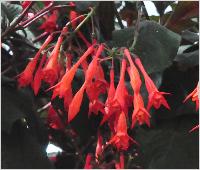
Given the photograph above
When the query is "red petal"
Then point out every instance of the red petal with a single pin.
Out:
(74, 106)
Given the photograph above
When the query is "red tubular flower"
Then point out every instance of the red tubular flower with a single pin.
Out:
(109, 104)
(75, 104)
(120, 90)
(38, 76)
(194, 96)
(140, 114)
(74, 107)
(26, 77)
(88, 161)
(121, 138)
(50, 24)
(66, 81)
(120, 165)
(133, 73)
(53, 119)
(99, 147)
(25, 4)
(156, 98)
(50, 70)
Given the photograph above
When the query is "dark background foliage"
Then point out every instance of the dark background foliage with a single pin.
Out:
(169, 48)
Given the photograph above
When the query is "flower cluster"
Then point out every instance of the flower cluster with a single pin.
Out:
(47, 67)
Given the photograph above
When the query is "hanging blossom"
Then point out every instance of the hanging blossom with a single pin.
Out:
(156, 97)
(38, 76)
(121, 139)
(120, 165)
(139, 114)
(88, 164)
(194, 96)
(50, 71)
(99, 147)
(110, 107)
(53, 119)
(26, 77)
(50, 24)
(74, 106)
(120, 90)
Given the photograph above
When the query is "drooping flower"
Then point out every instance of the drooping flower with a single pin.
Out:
(26, 77)
(194, 96)
(53, 119)
(65, 83)
(121, 139)
(50, 24)
(140, 114)
(88, 164)
(133, 73)
(110, 107)
(156, 97)
(99, 147)
(38, 76)
(74, 106)
(120, 165)
(25, 4)
(50, 71)
(120, 90)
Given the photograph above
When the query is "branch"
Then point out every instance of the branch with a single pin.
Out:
(21, 16)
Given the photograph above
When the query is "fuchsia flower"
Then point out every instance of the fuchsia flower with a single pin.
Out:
(74, 106)
(140, 114)
(88, 161)
(133, 73)
(50, 24)
(99, 147)
(53, 119)
(120, 90)
(38, 76)
(120, 165)
(194, 96)
(50, 71)
(121, 138)
(156, 98)
(26, 77)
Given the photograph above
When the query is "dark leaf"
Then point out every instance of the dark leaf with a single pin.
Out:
(187, 60)
(105, 14)
(11, 10)
(161, 6)
(156, 45)
(169, 144)
(22, 150)
(181, 18)
(190, 36)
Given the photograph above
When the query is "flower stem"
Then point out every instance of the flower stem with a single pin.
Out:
(136, 31)
(21, 16)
